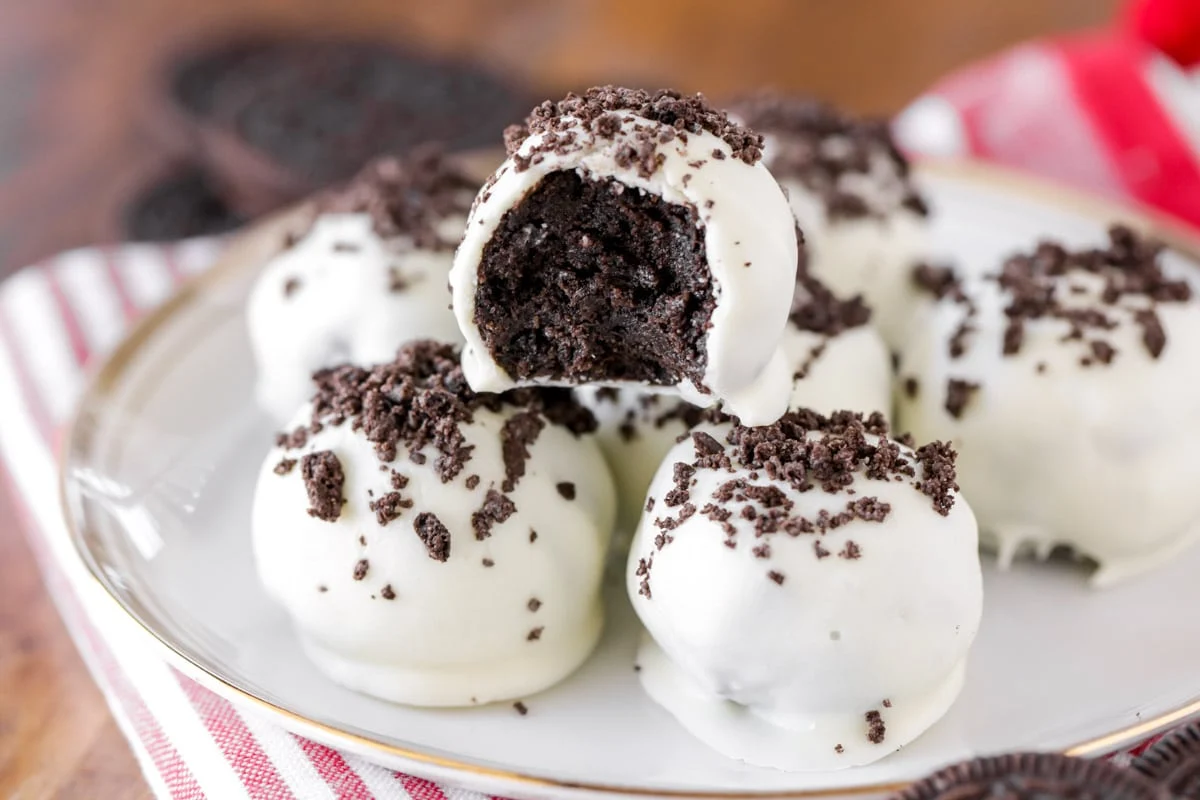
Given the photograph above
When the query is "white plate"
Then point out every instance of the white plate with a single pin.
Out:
(159, 471)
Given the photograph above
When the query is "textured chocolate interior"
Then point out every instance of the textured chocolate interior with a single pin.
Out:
(588, 280)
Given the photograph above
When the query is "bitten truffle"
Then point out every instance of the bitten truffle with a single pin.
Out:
(631, 238)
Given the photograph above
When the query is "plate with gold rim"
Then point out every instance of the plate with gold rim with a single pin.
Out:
(158, 472)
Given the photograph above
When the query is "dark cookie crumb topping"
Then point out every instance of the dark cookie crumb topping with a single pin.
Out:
(958, 394)
(434, 535)
(602, 111)
(408, 196)
(420, 400)
(323, 481)
(1131, 285)
(807, 452)
(815, 308)
(876, 730)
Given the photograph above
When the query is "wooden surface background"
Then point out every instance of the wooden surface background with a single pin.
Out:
(76, 78)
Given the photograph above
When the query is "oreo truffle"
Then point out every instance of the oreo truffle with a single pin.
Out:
(864, 219)
(1034, 776)
(1065, 378)
(416, 534)
(770, 569)
(367, 275)
(631, 238)
(836, 360)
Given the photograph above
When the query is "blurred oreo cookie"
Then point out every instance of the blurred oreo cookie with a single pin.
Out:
(279, 118)
(1035, 776)
(177, 205)
(1174, 761)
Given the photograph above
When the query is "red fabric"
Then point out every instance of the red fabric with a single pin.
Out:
(1156, 163)
(1170, 26)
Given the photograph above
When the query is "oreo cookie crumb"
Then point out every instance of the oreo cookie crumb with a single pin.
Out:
(361, 568)
(599, 111)
(291, 286)
(534, 604)
(387, 592)
(958, 394)
(777, 577)
(566, 490)
(519, 433)
(487, 562)
(284, 466)
(389, 506)
(521, 708)
(420, 401)
(433, 534)
(496, 508)
(406, 196)
(323, 481)
(535, 634)
(876, 730)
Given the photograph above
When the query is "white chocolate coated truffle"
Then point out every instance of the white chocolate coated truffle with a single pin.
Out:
(1070, 411)
(445, 586)
(347, 291)
(805, 630)
(865, 224)
(748, 247)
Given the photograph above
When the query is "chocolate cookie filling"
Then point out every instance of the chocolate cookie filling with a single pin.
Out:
(586, 280)
(1034, 776)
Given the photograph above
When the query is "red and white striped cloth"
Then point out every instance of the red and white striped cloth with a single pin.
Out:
(1105, 112)
(191, 744)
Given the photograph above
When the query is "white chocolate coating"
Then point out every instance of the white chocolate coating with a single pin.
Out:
(784, 674)
(871, 255)
(458, 631)
(1092, 457)
(342, 309)
(850, 370)
(748, 221)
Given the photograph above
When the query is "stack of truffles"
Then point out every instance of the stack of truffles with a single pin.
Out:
(676, 324)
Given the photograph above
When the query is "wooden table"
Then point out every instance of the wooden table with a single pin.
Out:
(74, 76)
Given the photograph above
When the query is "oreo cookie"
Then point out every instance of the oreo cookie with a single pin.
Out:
(320, 109)
(1175, 761)
(178, 206)
(1035, 776)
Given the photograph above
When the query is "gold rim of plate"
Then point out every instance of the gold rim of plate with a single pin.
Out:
(247, 250)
